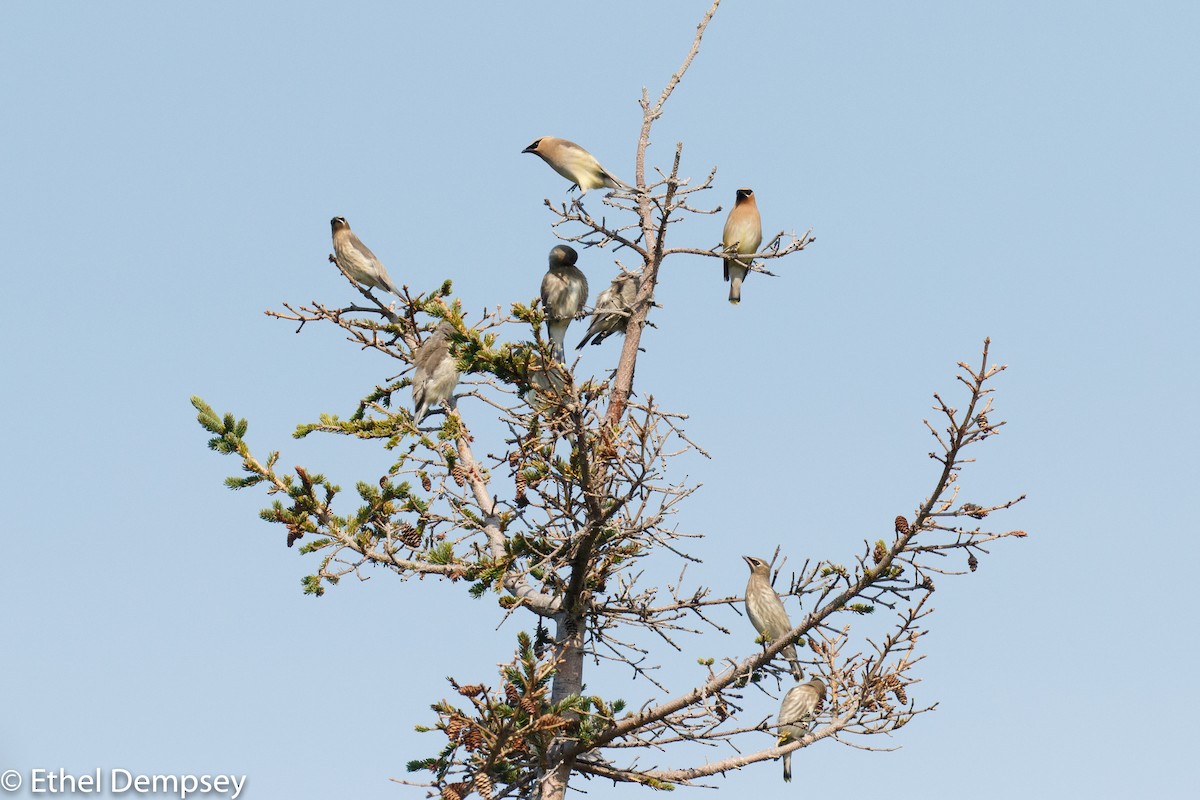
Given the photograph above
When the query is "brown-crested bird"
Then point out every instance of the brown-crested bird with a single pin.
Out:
(742, 235)
(357, 260)
(575, 164)
(564, 293)
(766, 611)
(435, 373)
(796, 714)
(613, 309)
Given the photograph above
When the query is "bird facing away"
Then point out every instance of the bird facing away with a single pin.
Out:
(357, 260)
(575, 164)
(613, 309)
(564, 293)
(796, 714)
(435, 374)
(546, 382)
(766, 611)
(742, 235)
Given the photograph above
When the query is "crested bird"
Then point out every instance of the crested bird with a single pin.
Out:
(613, 309)
(435, 373)
(796, 714)
(575, 164)
(766, 611)
(357, 260)
(564, 293)
(742, 236)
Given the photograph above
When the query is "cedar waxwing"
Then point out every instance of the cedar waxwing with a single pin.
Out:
(613, 308)
(435, 375)
(743, 235)
(546, 383)
(575, 164)
(766, 611)
(564, 293)
(357, 260)
(796, 715)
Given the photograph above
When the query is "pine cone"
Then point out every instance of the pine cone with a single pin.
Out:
(972, 562)
(410, 536)
(548, 722)
(426, 484)
(455, 727)
(483, 785)
(457, 472)
(721, 709)
(901, 525)
(927, 584)
(880, 552)
(511, 694)
(514, 458)
(471, 690)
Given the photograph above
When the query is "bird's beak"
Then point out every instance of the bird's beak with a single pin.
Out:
(747, 560)
(528, 149)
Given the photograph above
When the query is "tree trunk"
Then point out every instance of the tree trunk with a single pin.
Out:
(568, 680)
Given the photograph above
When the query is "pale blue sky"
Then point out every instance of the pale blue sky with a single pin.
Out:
(1025, 171)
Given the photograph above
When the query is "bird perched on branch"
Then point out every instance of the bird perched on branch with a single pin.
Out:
(796, 714)
(575, 164)
(742, 236)
(766, 611)
(613, 309)
(435, 374)
(546, 382)
(357, 260)
(564, 293)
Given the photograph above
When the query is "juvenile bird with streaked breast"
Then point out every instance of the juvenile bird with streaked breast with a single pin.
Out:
(575, 164)
(614, 306)
(742, 236)
(796, 714)
(357, 260)
(435, 373)
(766, 611)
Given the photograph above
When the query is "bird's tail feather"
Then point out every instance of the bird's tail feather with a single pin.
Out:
(421, 412)
(557, 331)
(613, 182)
(389, 285)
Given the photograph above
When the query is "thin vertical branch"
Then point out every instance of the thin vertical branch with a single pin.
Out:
(652, 238)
